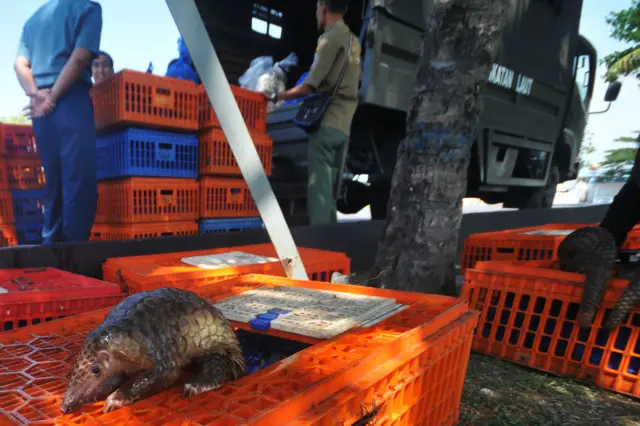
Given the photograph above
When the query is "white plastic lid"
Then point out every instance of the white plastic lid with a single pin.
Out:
(227, 260)
(553, 232)
(319, 314)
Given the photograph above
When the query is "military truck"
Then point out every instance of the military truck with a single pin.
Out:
(536, 100)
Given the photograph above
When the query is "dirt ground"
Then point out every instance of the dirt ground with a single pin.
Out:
(499, 393)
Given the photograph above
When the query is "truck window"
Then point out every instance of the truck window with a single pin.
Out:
(583, 78)
(267, 21)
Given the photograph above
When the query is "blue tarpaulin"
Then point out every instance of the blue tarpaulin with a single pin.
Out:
(295, 101)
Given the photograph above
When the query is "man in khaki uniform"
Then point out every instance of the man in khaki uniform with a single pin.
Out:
(328, 145)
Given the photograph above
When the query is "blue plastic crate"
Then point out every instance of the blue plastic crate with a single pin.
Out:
(28, 206)
(213, 226)
(29, 233)
(141, 152)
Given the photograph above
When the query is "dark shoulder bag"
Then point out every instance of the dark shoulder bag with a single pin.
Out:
(315, 106)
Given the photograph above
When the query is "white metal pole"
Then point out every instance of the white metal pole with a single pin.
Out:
(191, 27)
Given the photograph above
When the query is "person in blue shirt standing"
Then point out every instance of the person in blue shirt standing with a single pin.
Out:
(182, 67)
(53, 65)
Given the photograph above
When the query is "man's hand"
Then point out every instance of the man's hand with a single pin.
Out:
(269, 96)
(297, 92)
(41, 104)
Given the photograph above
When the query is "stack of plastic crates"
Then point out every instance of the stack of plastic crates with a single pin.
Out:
(529, 307)
(21, 187)
(147, 157)
(406, 366)
(225, 201)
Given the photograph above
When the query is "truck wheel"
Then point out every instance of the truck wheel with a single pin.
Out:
(538, 198)
(380, 190)
(356, 196)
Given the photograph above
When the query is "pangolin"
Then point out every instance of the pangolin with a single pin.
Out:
(144, 343)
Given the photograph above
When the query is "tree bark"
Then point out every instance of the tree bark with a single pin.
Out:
(420, 240)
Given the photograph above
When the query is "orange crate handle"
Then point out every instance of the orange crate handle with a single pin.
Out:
(26, 171)
(167, 197)
(23, 282)
(162, 97)
(235, 196)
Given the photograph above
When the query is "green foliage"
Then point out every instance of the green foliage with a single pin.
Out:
(15, 119)
(626, 23)
(625, 27)
(624, 63)
(618, 162)
(587, 146)
(586, 149)
(619, 157)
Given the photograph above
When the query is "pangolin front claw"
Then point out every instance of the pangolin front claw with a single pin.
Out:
(115, 401)
(591, 251)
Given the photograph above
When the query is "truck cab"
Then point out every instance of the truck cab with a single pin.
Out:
(536, 98)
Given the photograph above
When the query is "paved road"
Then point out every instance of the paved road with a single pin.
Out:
(472, 205)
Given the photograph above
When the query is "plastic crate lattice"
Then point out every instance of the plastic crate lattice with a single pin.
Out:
(430, 340)
(529, 316)
(132, 98)
(136, 200)
(223, 197)
(141, 152)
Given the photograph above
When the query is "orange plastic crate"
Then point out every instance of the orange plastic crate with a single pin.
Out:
(136, 200)
(253, 107)
(25, 173)
(149, 272)
(107, 232)
(4, 174)
(532, 243)
(8, 236)
(633, 239)
(528, 316)
(132, 98)
(224, 197)
(18, 140)
(42, 294)
(6, 208)
(216, 157)
(412, 364)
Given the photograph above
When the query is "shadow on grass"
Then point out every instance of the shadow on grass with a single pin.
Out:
(526, 397)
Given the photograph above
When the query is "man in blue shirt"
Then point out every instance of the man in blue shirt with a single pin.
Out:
(183, 67)
(53, 66)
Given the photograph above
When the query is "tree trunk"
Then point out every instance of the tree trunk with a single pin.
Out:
(420, 240)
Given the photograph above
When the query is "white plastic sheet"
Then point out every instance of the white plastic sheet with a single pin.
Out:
(264, 75)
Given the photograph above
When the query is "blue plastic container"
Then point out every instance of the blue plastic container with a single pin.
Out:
(28, 206)
(214, 226)
(29, 233)
(150, 153)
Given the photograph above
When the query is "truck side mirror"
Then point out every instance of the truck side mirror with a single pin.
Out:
(612, 91)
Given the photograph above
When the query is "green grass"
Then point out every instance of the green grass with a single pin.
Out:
(529, 398)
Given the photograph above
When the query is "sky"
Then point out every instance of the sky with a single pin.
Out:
(136, 32)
